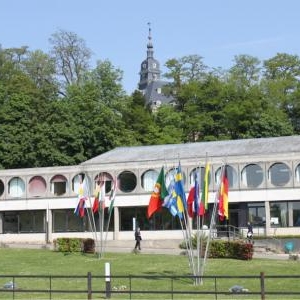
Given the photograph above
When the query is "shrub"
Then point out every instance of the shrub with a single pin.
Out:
(226, 249)
(68, 244)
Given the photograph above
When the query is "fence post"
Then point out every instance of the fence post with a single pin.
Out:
(89, 285)
(262, 285)
(107, 280)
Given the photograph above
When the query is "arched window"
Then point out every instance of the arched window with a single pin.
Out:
(231, 175)
(279, 174)
(82, 181)
(170, 175)
(200, 172)
(16, 187)
(58, 185)
(149, 179)
(252, 175)
(106, 179)
(1, 188)
(127, 181)
(37, 186)
(297, 173)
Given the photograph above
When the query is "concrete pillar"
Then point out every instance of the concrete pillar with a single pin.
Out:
(1, 223)
(268, 218)
(117, 223)
(49, 228)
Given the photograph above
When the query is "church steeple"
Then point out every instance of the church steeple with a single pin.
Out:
(150, 67)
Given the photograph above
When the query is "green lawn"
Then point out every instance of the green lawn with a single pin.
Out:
(46, 262)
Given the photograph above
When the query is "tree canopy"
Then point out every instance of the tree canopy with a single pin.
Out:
(55, 109)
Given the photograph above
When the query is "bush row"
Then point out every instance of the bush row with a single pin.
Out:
(226, 249)
(74, 245)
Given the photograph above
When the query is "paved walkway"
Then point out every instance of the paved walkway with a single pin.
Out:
(168, 247)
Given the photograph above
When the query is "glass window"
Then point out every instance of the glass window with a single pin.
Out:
(82, 181)
(295, 207)
(279, 174)
(16, 187)
(231, 175)
(105, 179)
(127, 181)
(37, 186)
(297, 173)
(257, 213)
(252, 175)
(170, 175)
(32, 221)
(1, 188)
(162, 220)
(24, 221)
(193, 174)
(58, 185)
(279, 214)
(10, 222)
(149, 179)
(67, 221)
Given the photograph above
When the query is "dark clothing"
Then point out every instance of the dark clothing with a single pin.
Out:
(250, 232)
(138, 239)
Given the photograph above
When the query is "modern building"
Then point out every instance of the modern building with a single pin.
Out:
(150, 83)
(37, 204)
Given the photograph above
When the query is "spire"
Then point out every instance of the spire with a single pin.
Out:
(149, 44)
(150, 66)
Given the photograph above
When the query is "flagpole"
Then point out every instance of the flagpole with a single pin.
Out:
(111, 208)
(212, 220)
(89, 212)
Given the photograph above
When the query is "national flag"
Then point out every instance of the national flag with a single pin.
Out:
(158, 194)
(96, 200)
(170, 199)
(80, 209)
(204, 195)
(223, 196)
(83, 194)
(179, 189)
(193, 197)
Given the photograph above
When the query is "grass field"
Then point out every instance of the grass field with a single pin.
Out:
(47, 262)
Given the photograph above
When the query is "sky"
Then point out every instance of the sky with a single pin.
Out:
(117, 30)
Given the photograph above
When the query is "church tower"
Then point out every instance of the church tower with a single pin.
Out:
(149, 67)
(150, 83)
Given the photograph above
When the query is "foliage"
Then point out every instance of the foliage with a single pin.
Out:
(68, 244)
(55, 109)
(224, 249)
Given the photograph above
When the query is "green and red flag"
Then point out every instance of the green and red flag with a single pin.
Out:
(158, 194)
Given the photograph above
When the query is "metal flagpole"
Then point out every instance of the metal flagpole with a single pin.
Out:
(212, 220)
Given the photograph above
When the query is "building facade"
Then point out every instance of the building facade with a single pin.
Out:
(37, 204)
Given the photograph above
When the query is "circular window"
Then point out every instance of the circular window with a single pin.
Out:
(279, 174)
(16, 187)
(58, 185)
(297, 173)
(252, 175)
(149, 179)
(37, 186)
(231, 175)
(104, 180)
(171, 175)
(1, 188)
(81, 184)
(127, 181)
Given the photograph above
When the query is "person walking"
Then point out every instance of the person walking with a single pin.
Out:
(250, 232)
(138, 238)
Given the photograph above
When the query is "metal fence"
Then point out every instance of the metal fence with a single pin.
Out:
(130, 287)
